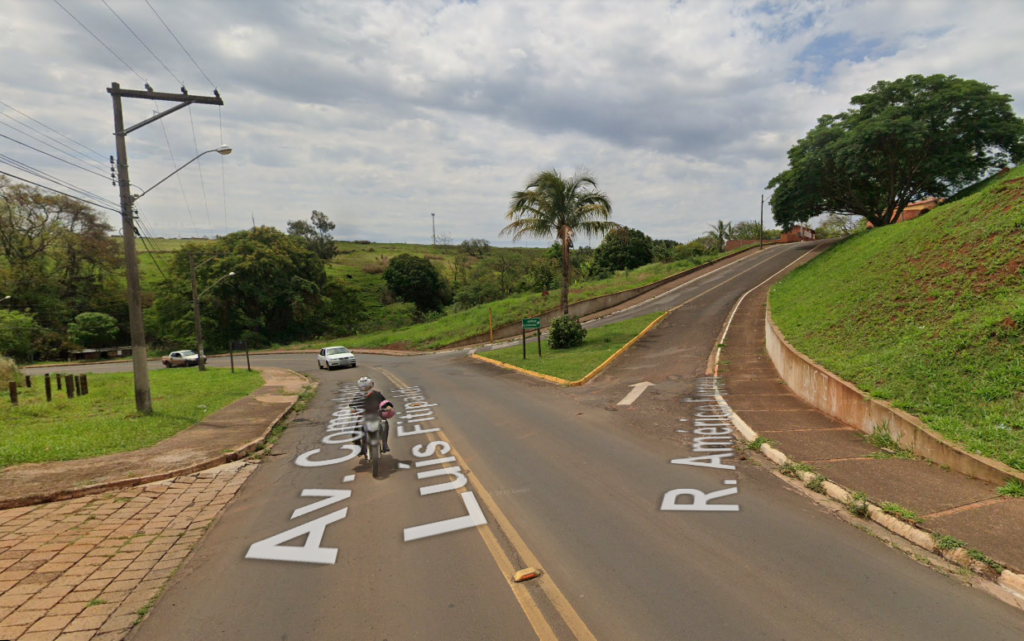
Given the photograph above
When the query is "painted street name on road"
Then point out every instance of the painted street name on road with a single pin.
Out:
(713, 442)
(418, 412)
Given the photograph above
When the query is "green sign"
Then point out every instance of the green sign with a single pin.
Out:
(531, 323)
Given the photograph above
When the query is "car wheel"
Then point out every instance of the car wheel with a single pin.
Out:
(319, 365)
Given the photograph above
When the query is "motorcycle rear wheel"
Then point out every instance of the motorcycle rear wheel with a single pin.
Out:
(375, 458)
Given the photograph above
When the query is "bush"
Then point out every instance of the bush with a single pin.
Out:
(624, 248)
(566, 331)
(8, 371)
(93, 329)
(17, 331)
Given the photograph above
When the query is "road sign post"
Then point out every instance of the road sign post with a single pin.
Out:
(531, 324)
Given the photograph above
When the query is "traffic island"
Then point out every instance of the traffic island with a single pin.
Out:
(233, 431)
(576, 365)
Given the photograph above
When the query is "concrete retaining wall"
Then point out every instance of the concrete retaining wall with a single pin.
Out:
(584, 307)
(845, 402)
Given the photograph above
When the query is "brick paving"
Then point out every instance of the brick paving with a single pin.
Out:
(90, 567)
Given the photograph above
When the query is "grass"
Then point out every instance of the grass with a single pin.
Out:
(927, 314)
(946, 542)
(816, 484)
(758, 442)
(858, 504)
(574, 363)
(790, 469)
(1013, 488)
(900, 512)
(105, 422)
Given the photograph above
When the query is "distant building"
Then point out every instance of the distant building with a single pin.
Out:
(798, 233)
(913, 210)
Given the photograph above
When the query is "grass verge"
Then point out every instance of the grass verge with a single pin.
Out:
(105, 422)
(927, 314)
(575, 363)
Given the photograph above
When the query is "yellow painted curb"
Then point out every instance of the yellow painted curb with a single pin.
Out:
(589, 377)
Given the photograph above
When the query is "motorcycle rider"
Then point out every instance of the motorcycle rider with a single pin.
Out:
(370, 402)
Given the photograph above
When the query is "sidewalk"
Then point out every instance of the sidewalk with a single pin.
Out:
(79, 564)
(948, 503)
(225, 435)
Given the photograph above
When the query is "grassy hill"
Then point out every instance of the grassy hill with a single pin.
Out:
(927, 314)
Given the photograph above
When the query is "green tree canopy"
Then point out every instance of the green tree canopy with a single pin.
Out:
(277, 294)
(624, 248)
(551, 205)
(316, 234)
(17, 331)
(93, 329)
(414, 279)
(903, 140)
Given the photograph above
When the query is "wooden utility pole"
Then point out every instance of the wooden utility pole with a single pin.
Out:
(143, 398)
(760, 232)
(195, 312)
(433, 230)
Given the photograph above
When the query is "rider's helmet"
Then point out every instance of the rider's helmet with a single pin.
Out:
(387, 410)
(365, 385)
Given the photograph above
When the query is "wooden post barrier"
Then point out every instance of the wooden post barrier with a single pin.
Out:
(69, 385)
(78, 385)
(28, 380)
(13, 386)
(85, 384)
(49, 391)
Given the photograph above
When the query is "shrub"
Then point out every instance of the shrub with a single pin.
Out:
(8, 370)
(17, 331)
(566, 331)
(624, 248)
(93, 329)
(414, 279)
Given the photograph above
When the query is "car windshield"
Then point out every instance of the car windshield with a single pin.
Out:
(335, 350)
(187, 352)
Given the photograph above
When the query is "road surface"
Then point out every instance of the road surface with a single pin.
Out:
(566, 479)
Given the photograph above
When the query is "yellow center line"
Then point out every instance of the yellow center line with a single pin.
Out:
(544, 581)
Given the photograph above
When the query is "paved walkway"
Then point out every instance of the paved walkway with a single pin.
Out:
(225, 435)
(948, 502)
(90, 567)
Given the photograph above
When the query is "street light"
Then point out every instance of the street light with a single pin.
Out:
(195, 309)
(223, 150)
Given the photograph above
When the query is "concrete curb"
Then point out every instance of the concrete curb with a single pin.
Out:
(593, 373)
(845, 402)
(245, 450)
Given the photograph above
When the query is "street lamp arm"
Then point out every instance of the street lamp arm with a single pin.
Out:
(223, 150)
(215, 283)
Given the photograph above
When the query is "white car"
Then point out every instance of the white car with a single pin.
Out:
(331, 357)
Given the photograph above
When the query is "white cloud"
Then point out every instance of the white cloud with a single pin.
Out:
(379, 113)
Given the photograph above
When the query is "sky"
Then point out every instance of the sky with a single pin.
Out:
(381, 113)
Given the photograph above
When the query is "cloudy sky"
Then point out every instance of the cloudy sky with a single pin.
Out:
(379, 113)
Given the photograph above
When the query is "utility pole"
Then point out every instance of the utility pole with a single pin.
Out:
(143, 398)
(760, 232)
(195, 311)
(433, 229)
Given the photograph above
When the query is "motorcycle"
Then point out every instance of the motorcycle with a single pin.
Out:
(372, 433)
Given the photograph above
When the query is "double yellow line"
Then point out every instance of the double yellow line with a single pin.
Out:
(526, 601)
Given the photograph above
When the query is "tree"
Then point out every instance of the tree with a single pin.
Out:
(553, 206)
(903, 140)
(316, 234)
(414, 279)
(93, 329)
(624, 248)
(751, 230)
(17, 330)
(276, 296)
(475, 247)
(836, 226)
(722, 232)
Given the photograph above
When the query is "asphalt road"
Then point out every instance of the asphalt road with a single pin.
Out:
(566, 479)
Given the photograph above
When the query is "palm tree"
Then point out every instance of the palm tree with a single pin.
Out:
(553, 206)
(722, 232)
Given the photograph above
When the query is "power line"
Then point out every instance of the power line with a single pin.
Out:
(181, 185)
(57, 191)
(95, 173)
(199, 164)
(43, 142)
(99, 41)
(141, 42)
(45, 176)
(181, 45)
(73, 150)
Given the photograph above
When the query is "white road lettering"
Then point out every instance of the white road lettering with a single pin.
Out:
(270, 549)
(700, 501)
(474, 518)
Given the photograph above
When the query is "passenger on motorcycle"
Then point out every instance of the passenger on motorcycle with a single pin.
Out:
(373, 402)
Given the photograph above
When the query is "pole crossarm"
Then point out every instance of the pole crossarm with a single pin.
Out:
(215, 99)
(155, 117)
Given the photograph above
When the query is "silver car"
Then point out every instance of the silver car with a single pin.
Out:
(331, 357)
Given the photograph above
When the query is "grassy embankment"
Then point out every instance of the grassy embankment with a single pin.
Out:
(105, 422)
(575, 363)
(928, 315)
